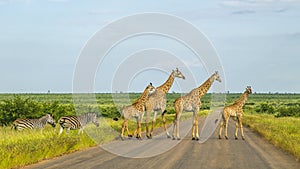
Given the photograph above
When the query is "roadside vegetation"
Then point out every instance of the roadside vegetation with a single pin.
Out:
(274, 116)
(26, 147)
(282, 132)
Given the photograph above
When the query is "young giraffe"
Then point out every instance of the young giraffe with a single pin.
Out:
(192, 103)
(236, 110)
(157, 101)
(136, 110)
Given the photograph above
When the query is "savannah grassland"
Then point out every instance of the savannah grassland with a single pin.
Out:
(273, 116)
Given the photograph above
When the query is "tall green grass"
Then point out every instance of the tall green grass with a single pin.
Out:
(283, 132)
(20, 148)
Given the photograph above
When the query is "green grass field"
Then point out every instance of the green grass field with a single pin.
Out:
(274, 116)
(283, 132)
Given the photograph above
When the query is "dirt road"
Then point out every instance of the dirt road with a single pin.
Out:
(252, 153)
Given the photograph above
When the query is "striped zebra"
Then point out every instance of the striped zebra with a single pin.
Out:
(77, 122)
(40, 123)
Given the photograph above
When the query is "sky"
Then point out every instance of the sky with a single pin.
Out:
(257, 41)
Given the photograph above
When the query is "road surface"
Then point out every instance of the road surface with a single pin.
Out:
(161, 152)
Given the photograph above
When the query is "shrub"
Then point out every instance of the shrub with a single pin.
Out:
(288, 111)
(265, 108)
(25, 107)
(18, 107)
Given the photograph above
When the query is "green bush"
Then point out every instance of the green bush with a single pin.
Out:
(265, 108)
(281, 110)
(109, 111)
(288, 111)
(25, 107)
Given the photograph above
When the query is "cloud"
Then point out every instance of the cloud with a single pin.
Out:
(281, 10)
(4, 2)
(236, 3)
(103, 12)
(58, 0)
(241, 12)
(252, 6)
(253, 3)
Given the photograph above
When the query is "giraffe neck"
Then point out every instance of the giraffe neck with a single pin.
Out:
(167, 85)
(242, 100)
(205, 86)
(143, 98)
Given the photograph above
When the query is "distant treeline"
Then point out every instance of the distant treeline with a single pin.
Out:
(13, 106)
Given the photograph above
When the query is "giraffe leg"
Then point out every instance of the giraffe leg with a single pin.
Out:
(236, 128)
(153, 123)
(177, 126)
(141, 116)
(226, 128)
(221, 126)
(193, 126)
(220, 130)
(123, 128)
(138, 129)
(148, 113)
(128, 133)
(178, 109)
(241, 126)
(147, 122)
(196, 125)
(136, 132)
(174, 129)
(164, 123)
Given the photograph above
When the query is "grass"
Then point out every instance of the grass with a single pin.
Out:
(283, 132)
(20, 148)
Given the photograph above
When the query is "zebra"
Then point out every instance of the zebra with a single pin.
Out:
(77, 122)
(40, 123)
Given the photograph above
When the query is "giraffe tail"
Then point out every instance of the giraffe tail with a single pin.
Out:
(117, 118)
(222, 114)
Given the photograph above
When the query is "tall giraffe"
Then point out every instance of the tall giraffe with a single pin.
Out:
(192, 103)
(236, 110)
(157, 102)
(136, 110)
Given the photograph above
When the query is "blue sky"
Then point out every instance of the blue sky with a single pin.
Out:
(258, 41)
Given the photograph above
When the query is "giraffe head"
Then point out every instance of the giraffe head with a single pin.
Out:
(150, 87)
(178, 74)
(248, 90)
(217, 77)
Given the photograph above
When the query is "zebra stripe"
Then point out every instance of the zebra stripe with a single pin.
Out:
(77, 122)
(40, 123)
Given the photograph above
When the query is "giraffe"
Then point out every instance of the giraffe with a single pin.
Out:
(236, 110)
(157, 102)
(192, 103)
(136, 110)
